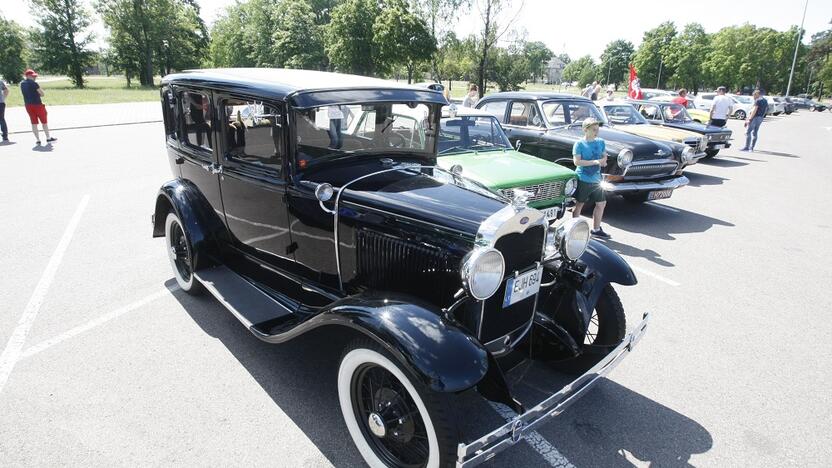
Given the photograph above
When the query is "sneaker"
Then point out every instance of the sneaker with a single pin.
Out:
(599, 233)
(745, 149)
(37, 142)
(49, 140)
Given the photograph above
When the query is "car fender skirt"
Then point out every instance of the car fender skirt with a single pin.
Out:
(201, 223)
(442, 355)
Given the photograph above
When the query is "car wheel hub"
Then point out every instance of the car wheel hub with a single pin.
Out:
(377, 426)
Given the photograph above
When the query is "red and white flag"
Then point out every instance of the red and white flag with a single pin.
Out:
(634, 88)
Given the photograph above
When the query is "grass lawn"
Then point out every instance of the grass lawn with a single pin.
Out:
(97, 90)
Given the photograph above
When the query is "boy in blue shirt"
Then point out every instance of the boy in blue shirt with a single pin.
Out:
(589, 156)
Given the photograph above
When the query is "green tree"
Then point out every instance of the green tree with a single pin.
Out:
(62, 39)
(438, 14)
(615, 60)
(564, 57)
(229, 47)
(11, 49)
(509, 68)
(687, 53)
(651, 56)
(491, 32)
(582, 70)
(151, 35)
(298, 42)
(456, 58)
(819, 64)
(402, 38)
(349, 37)
(537, 55)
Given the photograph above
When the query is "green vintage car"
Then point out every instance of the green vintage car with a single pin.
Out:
(473, 141)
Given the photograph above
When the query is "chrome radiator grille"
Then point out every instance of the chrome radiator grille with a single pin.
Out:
(698, 144)
(546, 191)
(651, 169)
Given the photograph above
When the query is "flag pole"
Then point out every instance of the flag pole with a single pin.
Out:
(796, 46)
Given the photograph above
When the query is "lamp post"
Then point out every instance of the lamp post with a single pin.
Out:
(796, 46)
(659, 80)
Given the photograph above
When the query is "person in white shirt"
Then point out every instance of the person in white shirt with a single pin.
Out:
(472, 97)
(722, 107)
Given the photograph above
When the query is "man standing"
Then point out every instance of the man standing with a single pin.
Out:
(589, 156)
(34, 106)
(596, 88)
(472, 97)
(722, 107)
(755, 118)
(682, 98)
(4, 91)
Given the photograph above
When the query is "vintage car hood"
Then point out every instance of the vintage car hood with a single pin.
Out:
(657, 132)
(426, 195)
(642, 148)
(697, 127)
(505, 169)
(703, 116)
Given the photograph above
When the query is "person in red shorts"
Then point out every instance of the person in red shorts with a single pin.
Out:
(34, 106)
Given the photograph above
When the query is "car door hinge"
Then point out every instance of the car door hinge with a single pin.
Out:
(291, 248)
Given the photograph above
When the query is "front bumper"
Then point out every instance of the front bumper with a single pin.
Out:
(487, 446)
(718, 145)
(622, 187)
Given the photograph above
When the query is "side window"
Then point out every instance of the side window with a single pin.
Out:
(168, 113)
(525, 114)
(497, 109)
(196, 112)
(253, 133)
(554, 113)
(651, 112)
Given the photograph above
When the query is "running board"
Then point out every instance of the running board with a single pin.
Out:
(253, 307)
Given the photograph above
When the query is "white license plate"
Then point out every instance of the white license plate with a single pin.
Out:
(551, 213)
(522, 286)
(719, 146)
(659, 194)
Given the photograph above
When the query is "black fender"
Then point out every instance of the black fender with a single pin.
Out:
(202, 224)
(567, 307)
(442, 355)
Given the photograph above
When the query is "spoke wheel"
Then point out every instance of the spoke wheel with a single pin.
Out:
(180, 254)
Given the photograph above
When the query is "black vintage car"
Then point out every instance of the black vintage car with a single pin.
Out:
(308, 199)
(676, 116)
(547, 125)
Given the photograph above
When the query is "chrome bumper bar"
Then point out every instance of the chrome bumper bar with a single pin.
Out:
(671, 184)
(487, 446)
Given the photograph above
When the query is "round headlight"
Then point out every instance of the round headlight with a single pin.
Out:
(570, 187)
(688, 154)
(625, 157)
(482, 272)
(573, 237)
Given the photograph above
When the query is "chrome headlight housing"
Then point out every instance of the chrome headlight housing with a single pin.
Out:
(572, 238)
(570, 187)
(482, 272)
(625, 158)
(688, 154)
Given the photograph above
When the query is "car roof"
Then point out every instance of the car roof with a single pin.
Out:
(616, 102)
(279, 83)
(534, 95)
(466, 112)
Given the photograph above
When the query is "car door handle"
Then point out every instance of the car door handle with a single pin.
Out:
(213, 168)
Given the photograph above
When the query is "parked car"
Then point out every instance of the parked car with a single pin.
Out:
(698, 115)
(742, 106)
(815, 106)
(801, 103)
(472, 143)
(621, 115)
(788, 107)
(650, 93)
(322, 205)
(547, 125)
(776, 108)
(676, 116)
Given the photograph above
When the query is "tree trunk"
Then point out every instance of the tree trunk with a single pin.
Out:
(409, 73)
(75, 64)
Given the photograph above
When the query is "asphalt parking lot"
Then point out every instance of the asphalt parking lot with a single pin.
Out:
(105, 363)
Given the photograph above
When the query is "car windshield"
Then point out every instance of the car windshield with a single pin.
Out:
(388, 128)
(624, 114)
(560, 113)
(744, 99)
(676, 113)
(471, 133)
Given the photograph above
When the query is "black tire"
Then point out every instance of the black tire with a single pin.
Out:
(709, 153)
(364, 360)
(740, 115)
(180, 252)
(638, 197)
(610, 324)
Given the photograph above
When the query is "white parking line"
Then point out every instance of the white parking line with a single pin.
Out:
(540, 445)
(655, 276)
(44, 345)
(11, 354)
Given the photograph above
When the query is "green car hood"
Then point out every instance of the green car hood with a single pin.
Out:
(505, 169)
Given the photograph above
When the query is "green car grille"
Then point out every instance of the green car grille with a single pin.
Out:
(546, 191)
